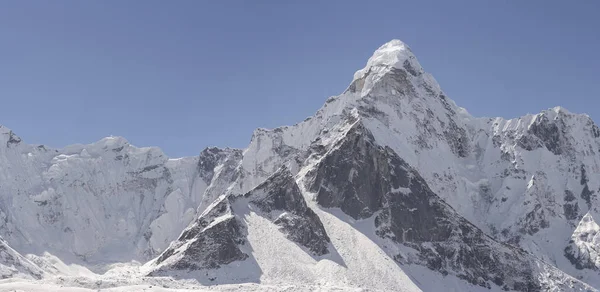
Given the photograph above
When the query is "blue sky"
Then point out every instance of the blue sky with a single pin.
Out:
(183, 75)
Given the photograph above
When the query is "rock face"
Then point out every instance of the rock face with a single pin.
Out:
(210, 241)
(215, 237)
(351, 178)
(280, 200)
(364, 179)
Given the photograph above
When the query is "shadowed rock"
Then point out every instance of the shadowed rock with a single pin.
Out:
(215, 237)
(209, 242)
(282, 202)
(364, 180)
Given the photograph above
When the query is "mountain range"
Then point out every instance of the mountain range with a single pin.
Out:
(390, 186)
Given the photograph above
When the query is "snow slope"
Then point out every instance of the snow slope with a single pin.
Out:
(14, 265)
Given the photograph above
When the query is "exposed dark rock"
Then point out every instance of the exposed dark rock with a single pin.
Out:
(395, 80)
(149, 168)
(407, 65)
(215, 237)
(214, 240)
(584, 179)
(586, 194)
(571, 210)
(457, 139)
(349, 178)
(549, 133)
(497, 141)
(301, 225)
(446, 104)
(534, 220)
(569, 196)
(530, 142)
(577, 260)
(214, 247)
(211, 157)
(372, 111)
(12, 139)
(595, 131)
(364, 179)
(119, 149)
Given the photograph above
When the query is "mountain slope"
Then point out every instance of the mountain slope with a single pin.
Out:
(13, 264)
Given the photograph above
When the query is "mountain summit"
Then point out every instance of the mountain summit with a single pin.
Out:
(394, 54)
(390, 186)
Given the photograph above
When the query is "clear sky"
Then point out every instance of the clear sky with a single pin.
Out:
(183, 75)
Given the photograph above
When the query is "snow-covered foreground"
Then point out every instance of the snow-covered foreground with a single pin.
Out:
(44, 287)
(127, 277)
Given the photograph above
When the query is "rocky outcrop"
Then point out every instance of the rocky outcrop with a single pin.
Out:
(279, 199)
(215, 238)
(364, 180)
(212, 157)
(212, 240)
(218, 168)
(350, 177)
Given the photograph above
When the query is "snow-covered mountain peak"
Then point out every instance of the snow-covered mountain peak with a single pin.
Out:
(394, 53)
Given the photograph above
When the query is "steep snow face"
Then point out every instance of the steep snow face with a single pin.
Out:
(102, 202)
(13, 264)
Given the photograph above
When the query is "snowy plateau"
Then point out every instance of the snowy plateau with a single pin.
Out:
(390, 186)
